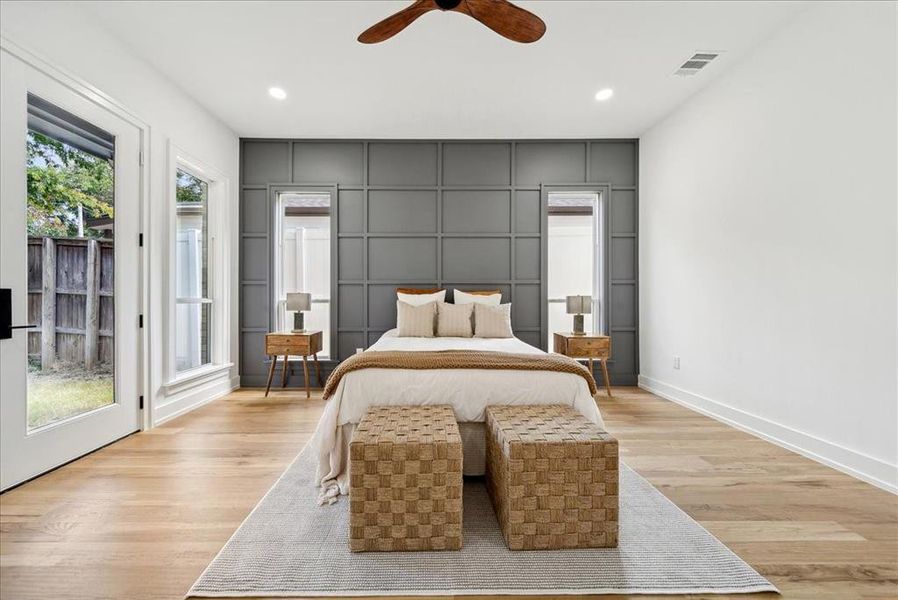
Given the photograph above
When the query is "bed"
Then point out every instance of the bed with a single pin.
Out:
(468, 391)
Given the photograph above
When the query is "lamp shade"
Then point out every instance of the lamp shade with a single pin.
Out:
(299, 301)
(579, 305)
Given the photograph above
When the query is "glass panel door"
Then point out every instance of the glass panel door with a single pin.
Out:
(70, 268)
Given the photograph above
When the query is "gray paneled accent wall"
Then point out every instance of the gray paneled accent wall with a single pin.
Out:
(466, 214)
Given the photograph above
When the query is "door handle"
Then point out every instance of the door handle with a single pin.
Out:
(6, 326)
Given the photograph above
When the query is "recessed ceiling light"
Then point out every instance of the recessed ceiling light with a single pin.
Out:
(604, 94)
(277, 93)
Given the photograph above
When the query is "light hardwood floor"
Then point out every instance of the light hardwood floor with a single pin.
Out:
(143, 517)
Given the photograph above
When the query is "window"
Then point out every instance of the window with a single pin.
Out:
(193, 306)
(200, 270)
(304, 252)
(575, 265)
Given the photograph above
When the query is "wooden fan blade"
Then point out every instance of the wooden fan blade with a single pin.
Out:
(506, 19)
(393, 24)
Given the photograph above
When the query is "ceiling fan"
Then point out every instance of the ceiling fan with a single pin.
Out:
(501, 16)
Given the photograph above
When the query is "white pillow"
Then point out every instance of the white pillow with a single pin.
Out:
(487, 300)
(492, 321)
(415, 321)
(419, 299)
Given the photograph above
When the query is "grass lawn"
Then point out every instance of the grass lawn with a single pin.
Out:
(60, 394)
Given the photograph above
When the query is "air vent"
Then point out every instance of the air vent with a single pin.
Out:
(696, 63)
(693, 64)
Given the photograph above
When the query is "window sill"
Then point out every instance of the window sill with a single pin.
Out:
(195, 377)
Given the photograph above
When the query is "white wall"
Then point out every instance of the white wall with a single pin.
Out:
(768, 242)
(70, 40)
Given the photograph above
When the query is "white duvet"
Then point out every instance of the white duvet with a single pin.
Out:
(468, 391)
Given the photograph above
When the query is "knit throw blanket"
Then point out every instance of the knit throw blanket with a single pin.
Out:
(457, 359)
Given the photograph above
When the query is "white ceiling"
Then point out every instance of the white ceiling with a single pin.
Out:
(446, 76)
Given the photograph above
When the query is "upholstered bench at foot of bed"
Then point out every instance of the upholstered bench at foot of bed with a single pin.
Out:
(552, 476)
(405, 480)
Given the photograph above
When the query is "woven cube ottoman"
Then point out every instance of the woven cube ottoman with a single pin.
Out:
(405, 480)
(552, 476)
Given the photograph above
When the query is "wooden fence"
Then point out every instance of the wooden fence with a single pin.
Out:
(70, 298)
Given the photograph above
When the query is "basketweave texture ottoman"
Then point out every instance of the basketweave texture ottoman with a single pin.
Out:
(552, 476)
(405, 480)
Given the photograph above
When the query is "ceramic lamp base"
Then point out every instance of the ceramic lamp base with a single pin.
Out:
(578, 325)
(298, 322)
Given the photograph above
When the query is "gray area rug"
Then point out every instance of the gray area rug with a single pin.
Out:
(290, 546)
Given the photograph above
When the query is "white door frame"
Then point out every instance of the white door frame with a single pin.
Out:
(41, 67)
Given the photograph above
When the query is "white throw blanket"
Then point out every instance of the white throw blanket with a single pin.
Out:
(468, 391)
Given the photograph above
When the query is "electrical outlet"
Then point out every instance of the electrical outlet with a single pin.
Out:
(676, 362)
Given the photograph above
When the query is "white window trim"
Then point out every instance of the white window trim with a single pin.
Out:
(218, 274)
(195, 377)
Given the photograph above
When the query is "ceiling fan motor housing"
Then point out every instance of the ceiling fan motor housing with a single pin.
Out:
(447, 4)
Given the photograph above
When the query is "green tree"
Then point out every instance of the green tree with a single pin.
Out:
(60, 178)
(190, 189)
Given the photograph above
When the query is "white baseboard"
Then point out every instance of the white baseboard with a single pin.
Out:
(866, 468)
(193, 399)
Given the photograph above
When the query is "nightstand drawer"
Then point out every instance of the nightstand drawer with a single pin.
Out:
(288, 349)
(301, 344)
(588, 347)
(278, 339)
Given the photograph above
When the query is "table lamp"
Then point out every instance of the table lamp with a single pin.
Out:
(579, 306)
(298, 302)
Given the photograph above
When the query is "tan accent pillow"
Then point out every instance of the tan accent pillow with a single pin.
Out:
(490, 298)
(415, 321)
(455, 320)
(492, 321)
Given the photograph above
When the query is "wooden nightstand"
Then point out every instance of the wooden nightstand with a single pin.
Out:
(590, 347)
(287, 344)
